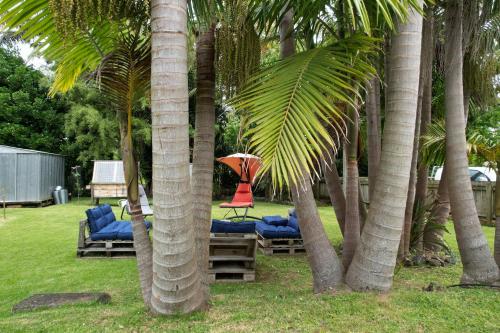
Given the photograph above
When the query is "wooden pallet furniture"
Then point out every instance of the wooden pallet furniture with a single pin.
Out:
(102, 248)
(232, 257)
(280, 246)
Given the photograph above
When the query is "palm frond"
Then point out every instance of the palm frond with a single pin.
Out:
(291, 105)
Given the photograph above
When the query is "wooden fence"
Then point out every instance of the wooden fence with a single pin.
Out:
(484, 196)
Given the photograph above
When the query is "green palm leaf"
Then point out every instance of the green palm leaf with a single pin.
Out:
(289, 105)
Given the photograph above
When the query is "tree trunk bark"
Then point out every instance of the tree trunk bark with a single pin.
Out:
(352, 223)
(410, 199)
(478, 263)
(438, 215)
(497, 216)
(142, 243)
(325, 265)
(176, 280)
(426, 69)
(334, 187)
(373, 123)
(203, 151)
(375, 258)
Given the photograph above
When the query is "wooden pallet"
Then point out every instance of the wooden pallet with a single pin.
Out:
(232, 257)
(280, 246)
(270, 251)
(106, 249)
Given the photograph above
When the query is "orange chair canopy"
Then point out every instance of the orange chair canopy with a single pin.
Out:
(245, 165)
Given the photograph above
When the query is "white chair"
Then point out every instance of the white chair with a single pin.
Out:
(143, 199)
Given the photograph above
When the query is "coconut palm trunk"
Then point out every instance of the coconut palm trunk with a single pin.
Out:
(478, 263)
(375, 258)
(497, 216)
(325, 265)
(439, 215)
(203, 151)
(142, 243)
(176, 281)
(352, 223)
(335, 191)
(374, 128)
(426, 113)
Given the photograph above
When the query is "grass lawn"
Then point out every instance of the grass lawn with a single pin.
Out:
(38, 254)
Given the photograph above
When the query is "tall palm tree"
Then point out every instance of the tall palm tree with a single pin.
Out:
(116, 52)
(176, 280)
(335, 191)
(203, 150)
(352, 223)
(375, 258)
(324, 263)
(478, 263)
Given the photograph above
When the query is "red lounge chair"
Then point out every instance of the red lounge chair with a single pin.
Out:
(243, 198)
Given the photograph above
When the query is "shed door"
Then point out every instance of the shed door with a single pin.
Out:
(28, 178)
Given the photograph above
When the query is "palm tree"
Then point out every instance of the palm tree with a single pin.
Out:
(325, 265)
(375, 258)
(335, 191)
(203, 151)
(119, 60)
(478, 263)
(176, 280)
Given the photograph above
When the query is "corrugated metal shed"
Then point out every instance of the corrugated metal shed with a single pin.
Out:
(29, 176)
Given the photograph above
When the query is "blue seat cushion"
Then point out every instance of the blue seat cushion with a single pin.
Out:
(275, 220)
(117, 230)
(294, 223)
(232, 227)
(272, 231)
(99, 217)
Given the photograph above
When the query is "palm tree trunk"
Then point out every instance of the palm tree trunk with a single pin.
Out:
(335, 191)
(374, 129)
(438, 215)
(352, 223)
(404, 246)
(478, 263)
(325, 265)
(497, 216)
(375, 258)
(203, 151)
(426, 69)
(176, 280)
(142, 243)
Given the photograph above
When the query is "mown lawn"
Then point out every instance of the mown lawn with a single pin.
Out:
(38, 254)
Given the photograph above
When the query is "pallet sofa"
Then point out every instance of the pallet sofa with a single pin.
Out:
(101, 234)
(232, 251)
(279, 235)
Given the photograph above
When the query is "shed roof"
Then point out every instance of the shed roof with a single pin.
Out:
(15, 150)
(108, 172)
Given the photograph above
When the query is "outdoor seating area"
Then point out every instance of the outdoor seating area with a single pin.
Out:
(101, 234)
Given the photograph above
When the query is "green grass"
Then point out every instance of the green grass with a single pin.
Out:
(38, 254)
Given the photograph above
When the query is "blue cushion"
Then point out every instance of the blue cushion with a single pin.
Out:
(294, 223)
(232, 227)
(275, 220)
(121, 230)
(272, 231)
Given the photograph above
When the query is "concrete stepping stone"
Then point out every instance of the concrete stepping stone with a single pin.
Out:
(38, 301)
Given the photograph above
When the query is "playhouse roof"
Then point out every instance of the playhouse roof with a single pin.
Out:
(108, 172)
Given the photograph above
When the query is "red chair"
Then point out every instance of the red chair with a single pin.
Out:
(243, 198)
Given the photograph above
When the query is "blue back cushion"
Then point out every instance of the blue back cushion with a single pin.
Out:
(99, 217)
(275, 220)
(272, 231)
(294, 223)
(232, 227)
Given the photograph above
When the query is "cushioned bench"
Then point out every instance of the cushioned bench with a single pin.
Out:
(274, 237)
(104, 226)
(219, 226)
(102, 233)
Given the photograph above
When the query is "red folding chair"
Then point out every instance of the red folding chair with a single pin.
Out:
(243, 198)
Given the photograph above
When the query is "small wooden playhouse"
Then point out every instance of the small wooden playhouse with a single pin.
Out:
(108, 181)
